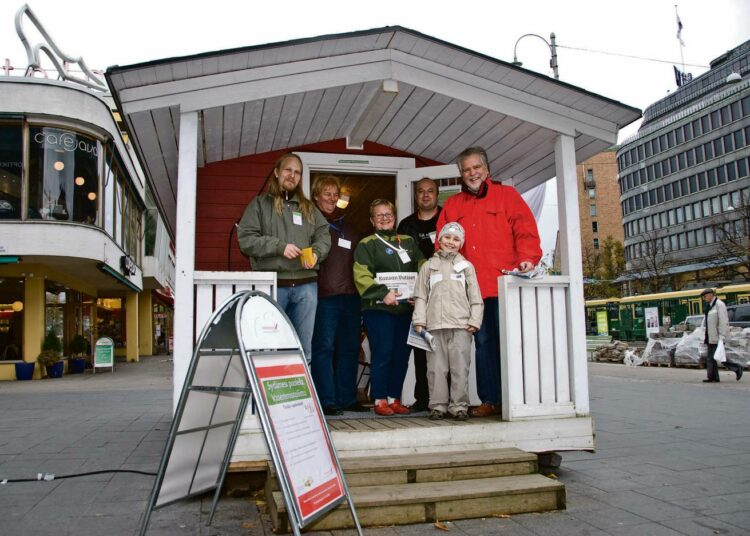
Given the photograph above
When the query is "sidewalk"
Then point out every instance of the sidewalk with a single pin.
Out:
(673, 458)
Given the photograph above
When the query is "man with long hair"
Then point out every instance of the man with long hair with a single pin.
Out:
(275, 228)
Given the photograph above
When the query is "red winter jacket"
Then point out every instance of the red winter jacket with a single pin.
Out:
(500, 232)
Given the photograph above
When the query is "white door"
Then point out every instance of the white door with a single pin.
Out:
(406, 177)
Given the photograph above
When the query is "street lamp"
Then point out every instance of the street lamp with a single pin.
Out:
(552, 48)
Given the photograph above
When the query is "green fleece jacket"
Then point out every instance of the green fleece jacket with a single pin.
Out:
(263, 234)
(372, 256)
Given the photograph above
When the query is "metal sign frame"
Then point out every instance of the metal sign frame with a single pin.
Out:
(94, 364)
(198, 448)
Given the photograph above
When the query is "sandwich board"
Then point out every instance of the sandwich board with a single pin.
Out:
(249, 348)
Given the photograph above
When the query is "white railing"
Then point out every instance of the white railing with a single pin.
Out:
(212, 288)
(538, 363)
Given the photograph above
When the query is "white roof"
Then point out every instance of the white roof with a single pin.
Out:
(392, 86)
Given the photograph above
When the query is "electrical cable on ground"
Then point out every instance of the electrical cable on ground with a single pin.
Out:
(51, 476)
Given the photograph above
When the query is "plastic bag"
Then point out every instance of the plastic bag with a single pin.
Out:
(720, 356)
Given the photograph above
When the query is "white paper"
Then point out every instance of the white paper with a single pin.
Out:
(420, 340)
(401, 283)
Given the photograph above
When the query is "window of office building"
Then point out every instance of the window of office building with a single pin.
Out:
(706, 204)
(700, 238)
(594, 226)
(688, 212)
(596, 243)
(709, 235)
(11, 167)
(63, 175)
(715, 206)
(592, 193)
(592, 209)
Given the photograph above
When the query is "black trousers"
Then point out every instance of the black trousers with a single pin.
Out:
(421, 389)
(712, 367)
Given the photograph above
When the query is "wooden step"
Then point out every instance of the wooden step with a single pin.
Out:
(432, 467)
(399, 504)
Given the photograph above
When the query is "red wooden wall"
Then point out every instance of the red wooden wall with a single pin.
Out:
(225, 188)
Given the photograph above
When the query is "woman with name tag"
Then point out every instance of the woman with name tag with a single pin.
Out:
(338, 321)
(385, 270)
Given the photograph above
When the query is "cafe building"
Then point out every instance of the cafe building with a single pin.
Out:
(83, 250)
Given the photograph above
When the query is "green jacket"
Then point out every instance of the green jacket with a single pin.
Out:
(371, 257)
(263, 234)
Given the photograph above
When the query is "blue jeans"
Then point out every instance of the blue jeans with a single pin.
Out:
(389, 353)
(335, 349)
(299, 304)
(487, 344)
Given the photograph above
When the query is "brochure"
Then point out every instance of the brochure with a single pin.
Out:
(420, 340)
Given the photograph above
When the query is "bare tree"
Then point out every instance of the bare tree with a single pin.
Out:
(601, 267)
(732, 255)
(650, 269)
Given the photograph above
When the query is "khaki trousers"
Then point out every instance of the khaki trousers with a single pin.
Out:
(452, 353)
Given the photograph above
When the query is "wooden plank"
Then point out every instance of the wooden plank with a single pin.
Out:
(546, 346)
(434, 459)
(213, 130)
(530, 334)
(560, 333)
(269, 123)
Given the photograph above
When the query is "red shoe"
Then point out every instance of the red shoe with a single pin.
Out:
(399, 408)
(485, 410)
(381, 408)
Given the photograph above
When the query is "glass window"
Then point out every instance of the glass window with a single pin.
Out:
(721, 175)
(660, 195)
(724, 112)
(650, 173)
(663, 142)
(739, 139)
(699, 154)
(688, 132)
(684, 186)
(700, 237)
(649, 224)
(594, 227)
(715, 205)
(706, 204)
(656, 145)
(702, 184)
(735, 198)
(697, 210)
(690, 157)
(715, 120)
(683, 240)
(709, 235)
(590, 174)
(731, 171)
(717, 148)
(736, 114)
(11, 167)
(638, 203)
(681, 161)
(63, 175)
(651, 197)
(693, 180)
(665, 167)
(742, 168)
(690, 239)
(711, 174)
(679, 214)
(640, 152)
(705, 128)
(725, 202)
(109, 201)
(592, 209)
(668, 192)
(647, 147)
(670, 139)
(592, 193)
(696, 126)
(746, 105)
(673, 242)
(708, 149)
(596, 243)
(672, 219)
(728, 143)
(673, 164)
(688, 212)
(678, 135)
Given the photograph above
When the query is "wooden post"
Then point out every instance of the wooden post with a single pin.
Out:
(570, 252)
(187, 173)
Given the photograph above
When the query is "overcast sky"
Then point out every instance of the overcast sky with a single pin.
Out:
(134, 31)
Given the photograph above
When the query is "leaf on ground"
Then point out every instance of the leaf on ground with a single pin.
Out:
(552, 475)
(502, 516)
(248, 525)
(442, 526)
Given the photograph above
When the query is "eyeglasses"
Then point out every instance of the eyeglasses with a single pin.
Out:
(383, 216)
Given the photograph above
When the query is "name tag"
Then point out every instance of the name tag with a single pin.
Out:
(460, 266)
(404, 256)
(435, 278)
(297, 218)
(346, 244)
(458, 277)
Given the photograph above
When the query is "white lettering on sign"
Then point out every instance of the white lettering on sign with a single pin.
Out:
(65, 141)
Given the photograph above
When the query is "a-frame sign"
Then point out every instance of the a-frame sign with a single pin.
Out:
(249, 347)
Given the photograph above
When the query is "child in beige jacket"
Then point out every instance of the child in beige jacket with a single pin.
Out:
(448, 303)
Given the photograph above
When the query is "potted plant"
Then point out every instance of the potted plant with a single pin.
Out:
(78, 346)
(50, 358)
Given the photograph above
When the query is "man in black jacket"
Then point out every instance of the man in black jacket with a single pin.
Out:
(421, 226)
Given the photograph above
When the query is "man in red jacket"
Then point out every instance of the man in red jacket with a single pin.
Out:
(501, 234)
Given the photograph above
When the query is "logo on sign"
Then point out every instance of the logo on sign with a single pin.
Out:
(127, 265)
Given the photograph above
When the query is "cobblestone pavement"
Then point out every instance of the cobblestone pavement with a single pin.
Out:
(673, 458)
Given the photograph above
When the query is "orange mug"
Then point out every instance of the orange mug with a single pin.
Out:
(307, 257)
